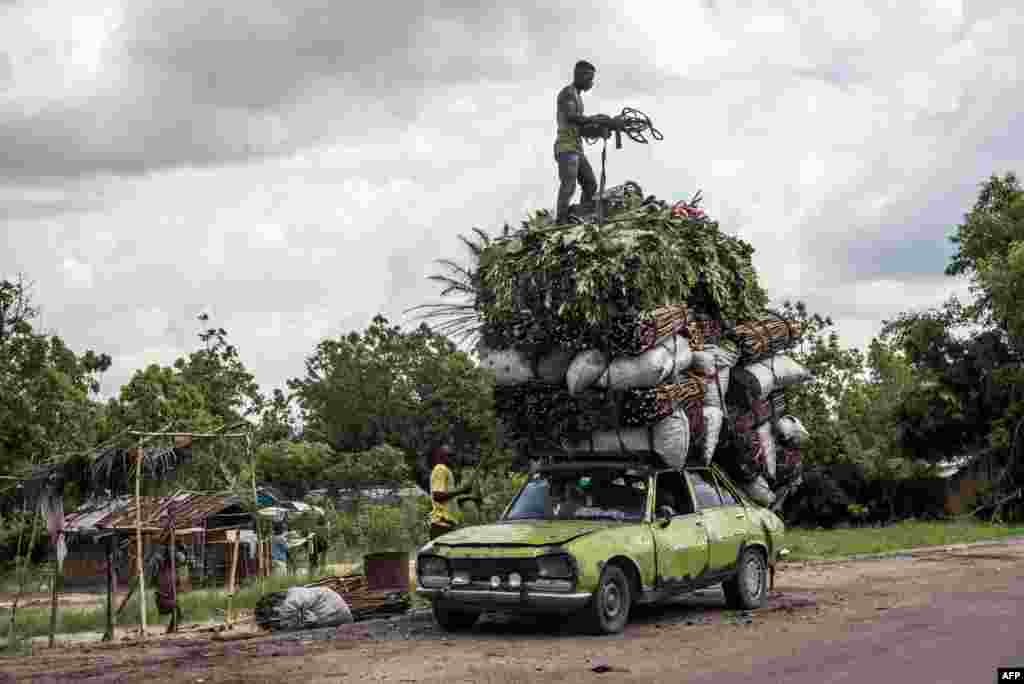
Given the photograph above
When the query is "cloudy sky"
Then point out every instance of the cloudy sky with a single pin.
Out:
(293, 168)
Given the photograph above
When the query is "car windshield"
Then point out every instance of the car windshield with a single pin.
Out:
(581, 495)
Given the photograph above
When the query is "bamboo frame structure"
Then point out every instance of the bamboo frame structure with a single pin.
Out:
(138, 509)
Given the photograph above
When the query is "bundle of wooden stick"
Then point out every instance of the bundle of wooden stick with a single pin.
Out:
(706, 331)
(361, 601)
(633, 334)
(766, 337)
(647, 406)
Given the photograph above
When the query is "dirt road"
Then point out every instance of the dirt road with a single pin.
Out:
(940, 616)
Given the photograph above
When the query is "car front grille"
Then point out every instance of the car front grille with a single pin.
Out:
(482, 569)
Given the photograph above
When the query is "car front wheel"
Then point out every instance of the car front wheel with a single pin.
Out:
(608, 610)
(746, 590)
(453, 619)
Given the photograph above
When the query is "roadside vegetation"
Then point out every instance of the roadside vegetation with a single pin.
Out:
(811, 544)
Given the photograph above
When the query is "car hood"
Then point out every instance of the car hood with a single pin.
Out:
(523, 533)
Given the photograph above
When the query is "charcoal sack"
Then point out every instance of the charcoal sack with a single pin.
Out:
(669, 438)
(649, 369)
(302, 608)
(584, 370)
(777, 372)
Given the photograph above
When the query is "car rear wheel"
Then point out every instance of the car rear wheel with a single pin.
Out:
(608, 610)
(452, 618)
(747, 588)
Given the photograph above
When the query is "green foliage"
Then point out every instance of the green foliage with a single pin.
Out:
(297, 461)
(412, 390)
(642, 259)
(990, 251)
(837, 376)
(47, 404)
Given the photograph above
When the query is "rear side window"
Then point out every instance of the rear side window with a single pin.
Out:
(727, 498)
(704, 489)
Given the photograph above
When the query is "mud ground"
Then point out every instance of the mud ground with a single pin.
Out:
(940, 615)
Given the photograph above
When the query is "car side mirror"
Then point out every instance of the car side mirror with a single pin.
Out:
(664, 515)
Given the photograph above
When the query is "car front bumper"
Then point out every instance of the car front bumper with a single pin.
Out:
(524, 601)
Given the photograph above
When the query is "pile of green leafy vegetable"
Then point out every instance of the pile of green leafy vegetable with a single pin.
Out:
(548, 285)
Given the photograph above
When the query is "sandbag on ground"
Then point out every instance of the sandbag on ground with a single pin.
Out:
(302, 608)
(669, 438)
(649, 369)
(761, 378)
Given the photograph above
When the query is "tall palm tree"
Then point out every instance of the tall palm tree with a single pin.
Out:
(460, 319)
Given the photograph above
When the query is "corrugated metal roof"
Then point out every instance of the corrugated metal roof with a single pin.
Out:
(190, 510)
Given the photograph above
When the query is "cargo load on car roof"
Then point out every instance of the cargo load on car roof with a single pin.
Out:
(647, 331)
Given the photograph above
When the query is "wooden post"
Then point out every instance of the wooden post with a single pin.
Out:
(108, 635)
(138, 538)
(53, 599)
(206, 546)
(173, 625)
(232, 535)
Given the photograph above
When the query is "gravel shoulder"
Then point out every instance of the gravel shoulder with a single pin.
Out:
(856, 619)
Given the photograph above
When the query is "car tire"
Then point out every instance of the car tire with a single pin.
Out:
(746, 589)
(452, 619)
(608, 610)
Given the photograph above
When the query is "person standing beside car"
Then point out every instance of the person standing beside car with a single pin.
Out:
(444, 511)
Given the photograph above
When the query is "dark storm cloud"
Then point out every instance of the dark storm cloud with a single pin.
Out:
(196, 85)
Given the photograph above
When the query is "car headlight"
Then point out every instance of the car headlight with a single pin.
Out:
(555, 567)
(433, 571)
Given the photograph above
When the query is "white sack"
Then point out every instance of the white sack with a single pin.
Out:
(791, 431)
(760, 492)
(304, 608)
(716, 386)
(584, 370)
(767, 442)
(704, 362)
(671, 440)
(649, 369)
(513, 367)
(510, 367)
(775, 372)
(713, 417)
(553, 366)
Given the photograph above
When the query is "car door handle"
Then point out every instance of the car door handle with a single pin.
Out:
(698, 523)
(741, 515)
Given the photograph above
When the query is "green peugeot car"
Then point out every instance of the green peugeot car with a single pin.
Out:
(592, 539)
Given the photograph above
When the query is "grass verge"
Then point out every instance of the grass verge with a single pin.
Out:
(808, 544)
(199, 606)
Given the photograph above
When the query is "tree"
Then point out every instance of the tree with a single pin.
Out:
(208, 390)
(47, 402)
(990, 251)
(412, 390)
(837, 372)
